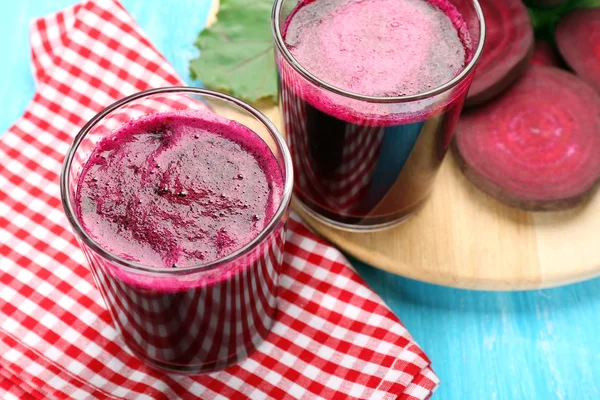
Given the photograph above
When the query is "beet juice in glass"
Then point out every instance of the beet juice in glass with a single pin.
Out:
(370, 92)
(179, 199)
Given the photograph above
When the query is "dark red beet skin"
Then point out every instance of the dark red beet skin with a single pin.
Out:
(545, 54)
(508, 46)
(578, 40)
(537, 146)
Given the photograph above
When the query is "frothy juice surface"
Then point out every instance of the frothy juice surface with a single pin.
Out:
(177, 189)
(379, 47)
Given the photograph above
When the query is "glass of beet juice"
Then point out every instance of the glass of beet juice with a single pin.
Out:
(179, 199)
(370, 92)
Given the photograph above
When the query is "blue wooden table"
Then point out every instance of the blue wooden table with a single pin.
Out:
(484, 345)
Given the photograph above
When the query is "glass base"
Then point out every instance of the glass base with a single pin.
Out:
(355, 227)
(191, 369)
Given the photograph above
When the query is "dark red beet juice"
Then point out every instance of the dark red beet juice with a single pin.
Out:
(176, 190)
(367, 164)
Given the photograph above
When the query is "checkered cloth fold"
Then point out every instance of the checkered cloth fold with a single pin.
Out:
(333, 337)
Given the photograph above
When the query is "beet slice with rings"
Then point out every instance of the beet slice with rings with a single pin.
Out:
(508, 46)
(546, 3)
(537, 146)
(578, 39)
(545, 54)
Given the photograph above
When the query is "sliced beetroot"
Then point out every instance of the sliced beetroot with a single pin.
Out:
(536, 147)
(545, 54)
(578, 39)
(546, 3)
(508, 46)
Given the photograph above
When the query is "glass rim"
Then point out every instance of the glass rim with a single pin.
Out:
(280, 43)
(139, 267)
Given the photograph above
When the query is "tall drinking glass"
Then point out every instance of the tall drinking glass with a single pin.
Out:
(367, 162)
(197, 318)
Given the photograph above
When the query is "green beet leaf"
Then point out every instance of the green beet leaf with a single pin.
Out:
(236, 52)
(545, 20)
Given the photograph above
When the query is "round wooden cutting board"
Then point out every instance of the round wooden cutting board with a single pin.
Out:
(464, 238)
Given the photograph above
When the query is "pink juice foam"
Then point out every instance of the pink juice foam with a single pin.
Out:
(174, 190)
(183, 189)
(377, 48)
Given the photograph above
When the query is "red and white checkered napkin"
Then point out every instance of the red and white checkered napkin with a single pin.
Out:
(333, 338)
